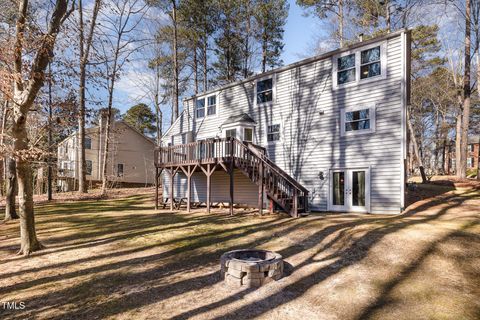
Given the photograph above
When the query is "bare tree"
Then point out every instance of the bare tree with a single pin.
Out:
(25, 92)
(119, 22)
(85, 45)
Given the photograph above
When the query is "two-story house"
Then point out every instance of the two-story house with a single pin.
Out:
(130, 158)
(473, 155)
(324, 133)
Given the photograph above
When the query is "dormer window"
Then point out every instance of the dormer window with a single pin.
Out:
(264, 91)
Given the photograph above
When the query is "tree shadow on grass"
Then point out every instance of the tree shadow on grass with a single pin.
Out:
(193, 254)
(344, 258)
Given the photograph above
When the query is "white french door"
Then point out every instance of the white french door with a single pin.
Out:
(350, 190)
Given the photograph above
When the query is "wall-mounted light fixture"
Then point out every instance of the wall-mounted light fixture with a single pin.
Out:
(321, 176)
(321, 112)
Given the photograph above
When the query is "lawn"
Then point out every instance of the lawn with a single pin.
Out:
(120, 259)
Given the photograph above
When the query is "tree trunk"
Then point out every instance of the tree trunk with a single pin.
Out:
(84, 53)
(195, 68)
(340, 23)
(11, 175)
(413, 139)
(175, 63)
(462, 172)
(458, 142)
(28, 235)
(205, 66)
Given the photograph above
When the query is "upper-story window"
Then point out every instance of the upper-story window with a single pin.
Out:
(200, 108)
(273, 133)
(357, 120)
(359, 66)
(470, 147)
(264, 91)
(211, 105)
(370, 65)
(346, 69)
(88, 143)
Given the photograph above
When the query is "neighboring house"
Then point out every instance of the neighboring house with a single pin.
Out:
(472, 155)
(325, 133)
(130, 159)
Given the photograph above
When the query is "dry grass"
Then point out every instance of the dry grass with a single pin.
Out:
(118, 259)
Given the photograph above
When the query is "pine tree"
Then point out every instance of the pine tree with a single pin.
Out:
(141, 117)
(270, 17)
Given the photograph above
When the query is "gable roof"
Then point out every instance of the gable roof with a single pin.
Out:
(243, 117)
(90, 129)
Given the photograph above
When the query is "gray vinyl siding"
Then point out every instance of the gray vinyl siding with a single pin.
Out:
(310, 141)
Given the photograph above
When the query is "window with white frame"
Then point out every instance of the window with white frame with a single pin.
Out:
(248, 134)
(359, 66)
(470, 147)
(370, 65)
(211, 105)
(200, 108)
(264, 91)
(346, 69)
(231, 133)
(357, 120)
(470, 162)
(273, 133)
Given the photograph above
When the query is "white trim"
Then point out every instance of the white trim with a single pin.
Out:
(206, 115)
(372, 117)
(274, 91)
(347, 207)
(403, 142)
(357, 52)
(280, 139)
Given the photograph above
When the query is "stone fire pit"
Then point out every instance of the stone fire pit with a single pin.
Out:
(250, 267)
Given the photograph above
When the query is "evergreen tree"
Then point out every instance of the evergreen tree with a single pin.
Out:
(270, 17)
(141, 117)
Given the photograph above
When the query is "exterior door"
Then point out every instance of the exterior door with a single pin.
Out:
(350, 190)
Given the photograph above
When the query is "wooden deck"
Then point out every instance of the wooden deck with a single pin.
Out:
(229, 154)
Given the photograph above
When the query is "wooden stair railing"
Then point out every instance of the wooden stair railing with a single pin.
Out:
(250, 159)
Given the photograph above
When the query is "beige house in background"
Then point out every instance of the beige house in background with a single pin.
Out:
(130, 159)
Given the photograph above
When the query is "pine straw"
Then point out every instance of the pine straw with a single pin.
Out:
(119, 259)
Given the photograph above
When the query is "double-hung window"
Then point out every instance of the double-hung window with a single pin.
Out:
(370, 65)
(359, 66)
(211, 105)
(200, 108)
(346, 69)
(357, 120)
(273, 133)
(264, 91)
(87, 143)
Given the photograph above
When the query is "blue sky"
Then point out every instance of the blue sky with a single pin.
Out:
(300, 32)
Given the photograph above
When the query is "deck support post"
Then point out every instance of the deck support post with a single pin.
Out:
(209, 187)
(295, 203)
(260, 190)
(172, 176)
(189, 187)
(232, 166)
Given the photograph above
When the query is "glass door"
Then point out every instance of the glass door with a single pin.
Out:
(350, 190)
